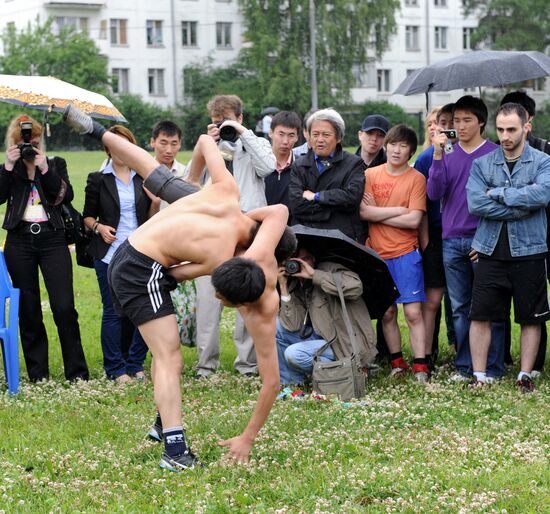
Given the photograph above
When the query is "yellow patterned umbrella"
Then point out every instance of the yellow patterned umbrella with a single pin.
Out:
(49, 93)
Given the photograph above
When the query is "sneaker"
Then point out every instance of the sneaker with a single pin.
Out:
(535, 374)
(399, 368)
(421, 372)
(477, 384)
(155, 434)
(77, 120)
(186, 460)
(526, 384)
(459, 377)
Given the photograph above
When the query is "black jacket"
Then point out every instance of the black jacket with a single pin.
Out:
(341, 189)
(103, 204)
(377, 161)
(53, 188)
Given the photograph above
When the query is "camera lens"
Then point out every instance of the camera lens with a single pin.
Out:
(292, 267)
(27, 151)
(228, 133)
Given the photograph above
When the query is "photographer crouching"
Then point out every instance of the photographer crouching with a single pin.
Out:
(311, 315)
(34, 187)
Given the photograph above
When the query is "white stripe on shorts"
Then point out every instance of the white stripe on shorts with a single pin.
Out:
(153, 287)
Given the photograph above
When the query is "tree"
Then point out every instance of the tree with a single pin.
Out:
(349, 34)
(69, 55)
(511, 24)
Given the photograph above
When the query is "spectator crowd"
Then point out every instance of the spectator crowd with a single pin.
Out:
(463, 232)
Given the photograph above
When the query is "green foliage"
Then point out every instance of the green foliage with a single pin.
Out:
(349, 33)
(511, 24)
(355, 114)
(69, 55)
(541, 123)
(141, 116)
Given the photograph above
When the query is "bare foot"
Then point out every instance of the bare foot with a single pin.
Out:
(123, 379)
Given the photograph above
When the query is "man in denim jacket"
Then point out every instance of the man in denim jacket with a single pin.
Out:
(509, 190)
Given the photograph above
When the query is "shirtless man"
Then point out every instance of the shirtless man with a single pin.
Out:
(196, 235)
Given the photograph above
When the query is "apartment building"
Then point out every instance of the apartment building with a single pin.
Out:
(149, 43)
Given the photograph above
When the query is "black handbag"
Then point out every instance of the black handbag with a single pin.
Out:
(76, 233)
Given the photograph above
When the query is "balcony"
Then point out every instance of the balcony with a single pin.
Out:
(74, 4)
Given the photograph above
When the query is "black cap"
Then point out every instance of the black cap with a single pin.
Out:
(375, 122)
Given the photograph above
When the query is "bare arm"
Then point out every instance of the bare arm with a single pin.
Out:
(206, 153)
(380, 214)
(423, 233)
(410, 220)
(262, 328)
(273, 221)
(189, 270)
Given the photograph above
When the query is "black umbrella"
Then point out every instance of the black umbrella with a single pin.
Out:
(379, 290)
(475, 69)
(269, 110)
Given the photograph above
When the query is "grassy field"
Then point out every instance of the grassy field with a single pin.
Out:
(405, 447)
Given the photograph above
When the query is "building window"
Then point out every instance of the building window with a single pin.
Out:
(154, 33)
(411, 3)
(189, 33)
(383, 81)
(411, 37)
(119, 80)
(365, 76)
(440, 39)
(467, 33)
(118, 31)
(156, 81)
(440, 3)
(223, 34)
(411, 71)
(74, 22)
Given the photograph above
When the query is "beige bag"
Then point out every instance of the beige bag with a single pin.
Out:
(342, 377)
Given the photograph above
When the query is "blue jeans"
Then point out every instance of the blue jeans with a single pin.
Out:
(459, 274)
(296, 355)
(124, 350)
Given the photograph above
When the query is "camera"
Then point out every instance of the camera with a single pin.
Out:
(451, 134)
(227, 133)
(26, 149)
(292, 267)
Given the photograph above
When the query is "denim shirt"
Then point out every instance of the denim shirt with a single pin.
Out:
(519, 199)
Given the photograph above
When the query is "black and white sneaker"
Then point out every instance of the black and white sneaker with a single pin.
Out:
(155, 434)
(78, 120)
(186, 460)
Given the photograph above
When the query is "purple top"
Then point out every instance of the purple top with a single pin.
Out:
(447, 182)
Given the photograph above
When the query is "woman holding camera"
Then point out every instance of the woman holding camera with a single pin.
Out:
(116, 204)
(34, 187)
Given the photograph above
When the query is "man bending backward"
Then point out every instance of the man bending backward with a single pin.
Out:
(196, 235)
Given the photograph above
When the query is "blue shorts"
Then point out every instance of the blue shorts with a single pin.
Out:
(408, 275)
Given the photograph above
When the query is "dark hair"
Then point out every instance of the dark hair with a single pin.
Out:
(167, 127)
(446, 109)
(239, 280)
(402, 134)
(514, 108)
(522, 98)
(287, 119)
(474, 105)
(287, 245)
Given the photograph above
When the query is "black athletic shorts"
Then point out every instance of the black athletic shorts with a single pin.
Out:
(140, 286)
(432, 261)
(496, 282)
(162, 183)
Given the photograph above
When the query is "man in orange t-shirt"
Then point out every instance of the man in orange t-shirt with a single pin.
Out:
(393, 204)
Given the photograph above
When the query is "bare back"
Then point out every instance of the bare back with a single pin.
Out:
(202, 228)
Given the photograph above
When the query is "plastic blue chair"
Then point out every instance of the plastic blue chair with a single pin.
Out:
(9, 335)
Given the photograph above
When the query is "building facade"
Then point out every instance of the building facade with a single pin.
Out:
(148, 44)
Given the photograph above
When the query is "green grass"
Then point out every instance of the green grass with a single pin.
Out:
(403, 448)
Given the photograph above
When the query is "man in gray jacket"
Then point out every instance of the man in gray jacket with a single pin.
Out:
(250, 159)
(311, 314)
